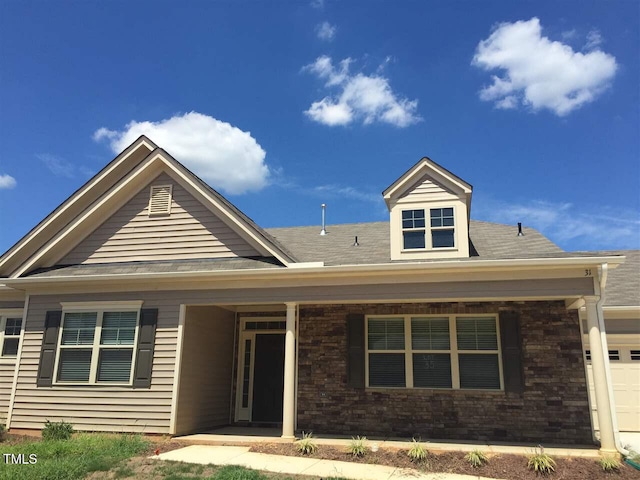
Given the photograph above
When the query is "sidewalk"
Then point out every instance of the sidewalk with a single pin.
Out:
(224, 455)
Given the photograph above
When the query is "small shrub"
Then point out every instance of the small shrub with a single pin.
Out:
(417, 452)
(306, 446)
(540, 462)
(358, 446)
(476, 458)
(57, 430)
(609, 464)
(3, 430)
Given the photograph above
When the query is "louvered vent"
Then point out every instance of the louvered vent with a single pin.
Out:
(160, 200)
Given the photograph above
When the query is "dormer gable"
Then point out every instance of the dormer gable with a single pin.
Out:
(429, 209)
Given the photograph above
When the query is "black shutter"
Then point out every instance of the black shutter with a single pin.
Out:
(146, 343)
(355, 344)
(49, 346)
(511, 352)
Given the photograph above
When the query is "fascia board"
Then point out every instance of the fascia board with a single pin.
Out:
(12, 256)
(537, 267)
(426, 166)
(154, 164)
(133, 179)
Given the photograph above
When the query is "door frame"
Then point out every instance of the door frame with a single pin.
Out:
(244, 414)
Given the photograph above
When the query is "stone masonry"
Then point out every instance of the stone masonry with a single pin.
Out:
(554, 407)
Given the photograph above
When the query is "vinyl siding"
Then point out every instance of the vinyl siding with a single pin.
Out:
(206, 369)
(98, 408)
(426, 189)
(190, 231)
(7, 370)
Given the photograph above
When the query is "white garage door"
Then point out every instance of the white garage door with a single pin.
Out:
(625, 376)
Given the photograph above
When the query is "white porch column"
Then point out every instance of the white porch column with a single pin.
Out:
(598, 369)
(288, 400)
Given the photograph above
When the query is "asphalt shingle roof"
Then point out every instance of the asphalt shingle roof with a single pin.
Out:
(623, 282)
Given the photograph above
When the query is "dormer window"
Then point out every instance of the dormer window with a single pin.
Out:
(413, 228)
(442, 231)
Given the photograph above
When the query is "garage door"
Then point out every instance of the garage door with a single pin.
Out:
(625, 376)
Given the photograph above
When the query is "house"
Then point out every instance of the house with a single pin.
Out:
(147, 302)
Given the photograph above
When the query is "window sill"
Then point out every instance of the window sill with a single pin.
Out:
(422, 250)
(427, 389)
(92, 385)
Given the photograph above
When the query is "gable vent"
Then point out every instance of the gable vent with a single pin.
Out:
(160, 200)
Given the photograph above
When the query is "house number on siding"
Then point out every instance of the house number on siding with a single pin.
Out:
(587, 272)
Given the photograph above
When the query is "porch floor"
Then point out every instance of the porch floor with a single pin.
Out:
(248, 435)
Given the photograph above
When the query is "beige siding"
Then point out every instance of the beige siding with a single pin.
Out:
(98, 408)
(205, 379)
(426, 188)
(7, 370)
(190, 231)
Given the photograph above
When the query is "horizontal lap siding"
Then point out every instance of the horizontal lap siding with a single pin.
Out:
(426, 188)
(96, 407)
(205, 378)
(7, 370)
(190, 231)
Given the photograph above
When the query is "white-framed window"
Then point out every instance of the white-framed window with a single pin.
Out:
(425, 351)
(96, 344)
(442, 227)
(440, 232)
(10, 328)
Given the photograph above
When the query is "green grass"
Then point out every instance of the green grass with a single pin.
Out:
(71, 459)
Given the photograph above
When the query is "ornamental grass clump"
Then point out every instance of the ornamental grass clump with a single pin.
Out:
(476, 458)
(417, 452)
(609, 464)
(306, 445)
(358, 446)
(540, 462)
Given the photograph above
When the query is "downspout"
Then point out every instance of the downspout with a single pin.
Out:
(603, 271)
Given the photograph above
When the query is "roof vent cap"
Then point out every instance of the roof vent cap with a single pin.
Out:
(520, 234)
(324, 230)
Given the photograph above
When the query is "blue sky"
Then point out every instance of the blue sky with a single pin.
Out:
(285, 105)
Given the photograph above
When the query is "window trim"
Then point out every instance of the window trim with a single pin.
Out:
(4, 315)
(453, 351)
(428, 230)
(99, 309)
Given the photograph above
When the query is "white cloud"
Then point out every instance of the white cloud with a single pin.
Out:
(319, 4)
(226, 157)
(365, 98)
(541, 73)
(7, 181)
(334, 190)
(58, 166)
(594, 40)
(326, 31)
(572, 228)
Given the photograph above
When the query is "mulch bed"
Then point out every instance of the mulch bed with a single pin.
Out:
(500, 466)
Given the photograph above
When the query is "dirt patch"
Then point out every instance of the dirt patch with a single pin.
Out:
(499, 466)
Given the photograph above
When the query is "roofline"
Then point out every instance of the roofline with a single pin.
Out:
(73, 198)
(446, 173)
(339, 270)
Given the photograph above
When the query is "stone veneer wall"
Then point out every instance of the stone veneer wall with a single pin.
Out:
(553, 408)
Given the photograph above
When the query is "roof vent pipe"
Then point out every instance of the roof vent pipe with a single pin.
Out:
(324, 230)
(355, 243)
(520, 234)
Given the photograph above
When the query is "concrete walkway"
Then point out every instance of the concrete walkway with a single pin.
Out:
(225, 455)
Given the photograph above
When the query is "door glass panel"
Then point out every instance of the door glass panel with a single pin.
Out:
(245, 373)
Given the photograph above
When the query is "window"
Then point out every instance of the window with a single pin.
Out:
(441, 229)
(97, 346)
(450, 351)
(413, 226)
(10, 327)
